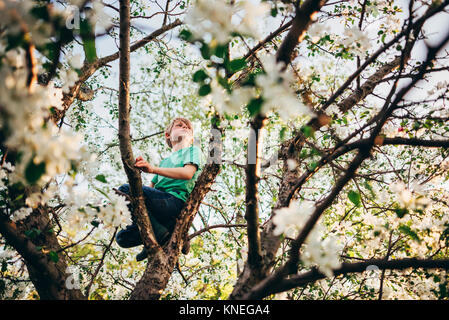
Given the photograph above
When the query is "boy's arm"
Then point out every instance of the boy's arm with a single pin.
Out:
(181, 173)
(151, 184)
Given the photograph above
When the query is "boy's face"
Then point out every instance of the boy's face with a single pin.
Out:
(179, 132)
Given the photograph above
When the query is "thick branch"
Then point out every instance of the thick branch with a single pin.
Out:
(48, 277)
(134, 177)
(252, 171)
(301, 22)
(359, 267)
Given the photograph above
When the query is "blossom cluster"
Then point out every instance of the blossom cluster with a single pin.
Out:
(356, 40)
(112, 212)
(214, 22)
(439, 87)
(273, 86)
(318, 250)
(409, 198)
(325, 253)
(289, 220)
(218, 20)
(46, 151)
(26, 110)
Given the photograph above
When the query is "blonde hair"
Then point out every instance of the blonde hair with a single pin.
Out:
(170, 127)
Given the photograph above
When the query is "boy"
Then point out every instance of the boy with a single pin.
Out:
(170, 187)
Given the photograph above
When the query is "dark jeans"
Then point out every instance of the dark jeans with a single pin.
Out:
(163, 209)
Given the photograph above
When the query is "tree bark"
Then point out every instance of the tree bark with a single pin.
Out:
(134, 177)
(49, 277)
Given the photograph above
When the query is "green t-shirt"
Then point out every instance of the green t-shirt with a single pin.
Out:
(177, 187)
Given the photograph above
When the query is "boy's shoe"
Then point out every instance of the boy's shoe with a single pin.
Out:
(144, 254)
(186, 247)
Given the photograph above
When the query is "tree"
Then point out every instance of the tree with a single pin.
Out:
(349, 95)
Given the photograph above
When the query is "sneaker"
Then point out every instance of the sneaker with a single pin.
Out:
(142, 255)
(186, 247)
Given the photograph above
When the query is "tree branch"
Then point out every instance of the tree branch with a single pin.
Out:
(252, 171)
(359, 267)
(195, 234)
(134, 177)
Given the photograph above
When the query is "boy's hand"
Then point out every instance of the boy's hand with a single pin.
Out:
(143, 165)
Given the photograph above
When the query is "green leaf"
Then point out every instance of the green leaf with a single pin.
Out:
(95, 223)
(40, 12)
(416, 125)
(401, 212)
(15, 40)
(204, 90)
(237, 65)
(33, 171)
(221, 51)
(282, 133)
(355, 198)
(200, 76)
(101, 178)
(406, 230)
(224, 83)
(371, 190)
(53, 256)
(88, 36)
(313, 166)
(205, 51)
(185, 35)
(254, 106)
(307, 131)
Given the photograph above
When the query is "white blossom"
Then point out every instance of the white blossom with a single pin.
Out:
(55, 96)
(252, 14)
(75, 61)
(356, 40)
(409, 198)
(334, 111)
(21, 214)
(292, 164)
(214, 18)
(233, 102)
(323, 253)
(68, 78)
(276, 92)
(39, 140)
(99, 16)
(211, 18)
(290, 219)
(116, 212)
(317, 31)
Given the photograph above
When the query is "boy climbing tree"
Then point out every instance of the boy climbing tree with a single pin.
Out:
(170, 187)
